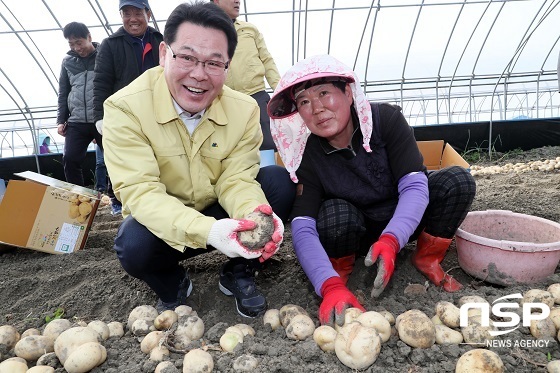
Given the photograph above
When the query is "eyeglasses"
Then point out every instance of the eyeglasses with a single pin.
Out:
(188, 62)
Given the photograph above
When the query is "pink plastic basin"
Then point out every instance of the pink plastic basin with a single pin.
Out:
(508, 248)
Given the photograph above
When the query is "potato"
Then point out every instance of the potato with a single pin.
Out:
(81, 219)
(183, 310)
(272, 317)
(73, 211)
(350, 314)
(55, 327)
(198, 361)
(71, 339)
(30, 331)
(83, 199)
(245, 329)
(256, 238)
(9, 336)
(448, 313)
(447, 336)
(537, 296)
(471, 299)
(41, 369)
(553, 366)
(13, 365)
(554, 289)
(236, 330)
(166, 367)
(543, 329)
(142, 327)
(389, 316)
(288, 311)
(101, 328)
(376, 320)
(165, 320)
(32, 347)
(357, 346)
(325, 336)
(474, 332)
(416, 329)
(85, 208)
(245, 363)
(229, 341)
(435, 319)
(116, 329)
(151, 341)
(86, 357)
(479, 360)
(300, 328)
(192, 327)
(49, 359)
(141, 312)
(159, 353)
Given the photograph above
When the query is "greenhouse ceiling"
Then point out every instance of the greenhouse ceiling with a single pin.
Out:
(441, 61)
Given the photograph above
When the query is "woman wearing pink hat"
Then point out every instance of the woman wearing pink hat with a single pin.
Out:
(362, 188)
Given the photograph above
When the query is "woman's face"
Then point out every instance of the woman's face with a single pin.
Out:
(325, 109)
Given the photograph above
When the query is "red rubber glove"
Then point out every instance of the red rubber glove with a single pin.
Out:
(336, 299)
(271, 247)
(385, 251)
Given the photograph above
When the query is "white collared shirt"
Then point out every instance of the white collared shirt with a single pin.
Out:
(191, 121)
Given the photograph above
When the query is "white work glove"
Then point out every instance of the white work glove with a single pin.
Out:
(99, 126)
(223, 236)
(272, 246)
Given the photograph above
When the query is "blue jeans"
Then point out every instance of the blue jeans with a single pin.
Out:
(150, 259)
(100, 171)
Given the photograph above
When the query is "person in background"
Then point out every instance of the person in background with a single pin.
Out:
(362, 188)
(182, 151)
(100, 171)
(250, 65)
(74, 116)
(121, 58)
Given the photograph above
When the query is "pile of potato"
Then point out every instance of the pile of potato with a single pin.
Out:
(77, 347)
(548, 165)
(80, 207)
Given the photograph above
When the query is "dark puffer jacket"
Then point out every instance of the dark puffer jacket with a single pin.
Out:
(116, 66)
(75, 88)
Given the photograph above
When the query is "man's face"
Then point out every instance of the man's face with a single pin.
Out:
(193, 88)
(135, 21)
(231, 7)
(83, 46)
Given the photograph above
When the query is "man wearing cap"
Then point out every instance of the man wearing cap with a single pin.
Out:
(249, 67)
(122, 57)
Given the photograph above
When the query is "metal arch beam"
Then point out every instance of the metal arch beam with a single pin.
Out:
(444, 54)
(330, 28)
(23, 112)
(370, 40)
(102, 17)
(26, 47)
(515, 56)
(409, 46)
(362, 38)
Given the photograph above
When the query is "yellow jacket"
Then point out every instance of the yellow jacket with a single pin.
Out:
(251, 62)
(164, 176)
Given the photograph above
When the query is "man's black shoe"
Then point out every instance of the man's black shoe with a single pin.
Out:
(239, 280)
(185, 289)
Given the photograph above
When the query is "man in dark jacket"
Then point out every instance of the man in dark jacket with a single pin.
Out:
(122, 57)
(75, 100)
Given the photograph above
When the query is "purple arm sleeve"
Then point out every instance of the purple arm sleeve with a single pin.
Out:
(310, 253)
(413, 200)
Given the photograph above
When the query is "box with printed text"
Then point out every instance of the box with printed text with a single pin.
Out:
(46, 214)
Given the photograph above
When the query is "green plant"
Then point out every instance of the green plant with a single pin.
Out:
(549, 356)
(57, 314)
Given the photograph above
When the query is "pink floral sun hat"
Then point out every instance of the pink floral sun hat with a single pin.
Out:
(286, 125)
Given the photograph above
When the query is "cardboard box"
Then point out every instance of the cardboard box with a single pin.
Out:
(437, 155)
(46, 214)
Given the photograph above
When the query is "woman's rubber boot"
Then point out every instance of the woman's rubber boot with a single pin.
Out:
(429, 253)
(344, 266)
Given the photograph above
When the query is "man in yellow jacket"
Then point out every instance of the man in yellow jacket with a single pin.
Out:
(250, 65)
(182, 150)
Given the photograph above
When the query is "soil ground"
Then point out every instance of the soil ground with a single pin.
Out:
(91, 285)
